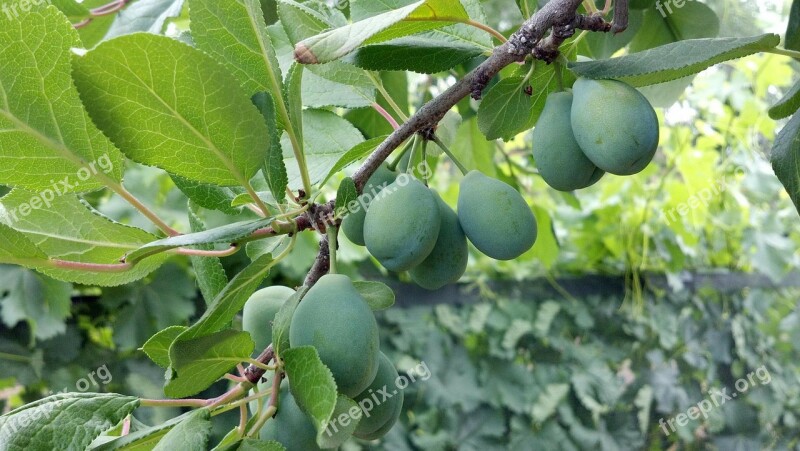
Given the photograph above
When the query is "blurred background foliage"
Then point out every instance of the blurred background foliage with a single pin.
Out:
(544, 369)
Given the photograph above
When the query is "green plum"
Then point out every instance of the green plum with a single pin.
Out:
(336, 320)
(402, 224)
(559, 158)
(615, 125)
(495, 217)
(448, 260)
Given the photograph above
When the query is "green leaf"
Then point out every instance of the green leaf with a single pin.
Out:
(235, 34)
(68, 421)
(197, 363)
(274, 167)
(40, 301)
(661, 64)
(331, 84)
(143, 439)
(358, 152)
(209, 272)
(86, 237)
(787, 105)
(792, 41)
(551, 397)
(378, 295)
(293, 97)
(157, 347)
(346, 193)
(231, 300)
(191, 433)
(74, 11)
(785, 158)
(694, 20)
(327, 138)
(505, 109)
(215, 133)
(604, 45)
(41, 116)
(283, 319)
(420, 16)
(146, 16)
(250, 444)
(227, 234)
(314, 389)
(208, 196)
(430, 52)
(426, 53)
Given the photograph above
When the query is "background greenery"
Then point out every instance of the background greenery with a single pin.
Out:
(511, 371)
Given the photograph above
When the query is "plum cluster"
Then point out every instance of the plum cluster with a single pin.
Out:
(338, 323)
(601, 126)
(408, 227)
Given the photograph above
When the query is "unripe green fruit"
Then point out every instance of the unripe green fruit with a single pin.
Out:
(615, 125)
(353, 223)
(337, 321)
(259, 312)
(402, 224)
(495, 217)
(376, 415)
(558, 156)
(290, 427)
(448, 260)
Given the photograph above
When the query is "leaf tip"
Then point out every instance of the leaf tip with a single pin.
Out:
(304, 55)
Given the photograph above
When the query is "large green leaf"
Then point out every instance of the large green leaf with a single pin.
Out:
(45, 133)
(327, 138)
(197, 363)
(673, 61)
(181, 111)
(144, 439)
(417, 17)
(208, 196)
(785, 158)
(17, 249)
(66, 422)
(157, 347)
(694, 21)
(69, 230)
(191, 433)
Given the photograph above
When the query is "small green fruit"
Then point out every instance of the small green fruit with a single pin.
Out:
(353, 223)
(615, 125)
(290, 427)
(448, 260)
(558, 156)
(402, 224)
(377, 412)
(335, 319)
(495, 217)
(259, 312)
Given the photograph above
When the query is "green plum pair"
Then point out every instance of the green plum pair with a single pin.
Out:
(601, 126)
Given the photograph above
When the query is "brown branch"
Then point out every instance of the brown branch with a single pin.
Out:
(252, 373)
(321, 265)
